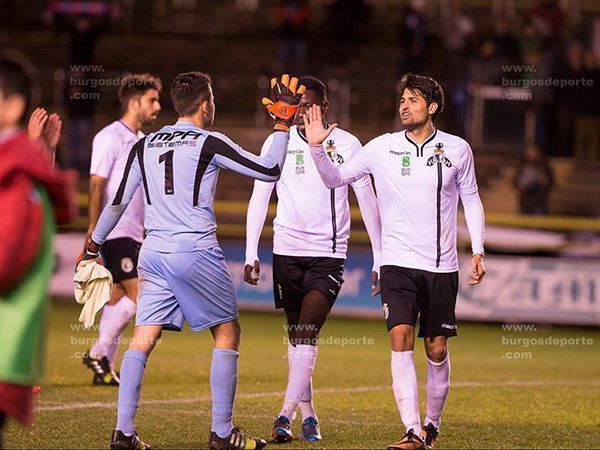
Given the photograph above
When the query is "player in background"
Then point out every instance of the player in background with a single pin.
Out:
(139, 98)
(183, 274)
(420, 174)
(310, 238)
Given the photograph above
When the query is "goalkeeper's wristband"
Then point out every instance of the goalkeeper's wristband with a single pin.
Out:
(89, 252)
(279, 126)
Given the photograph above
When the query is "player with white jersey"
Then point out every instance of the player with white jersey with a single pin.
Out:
(310, 239)
(420, 174)
(183, 274)
(139, 98)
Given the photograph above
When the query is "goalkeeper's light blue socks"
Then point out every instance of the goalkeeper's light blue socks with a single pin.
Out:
(223, 382)
(132, 372)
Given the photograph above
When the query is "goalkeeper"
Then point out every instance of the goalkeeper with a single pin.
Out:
(183, 274)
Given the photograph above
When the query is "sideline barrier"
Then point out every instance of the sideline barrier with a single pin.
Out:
(515, 289)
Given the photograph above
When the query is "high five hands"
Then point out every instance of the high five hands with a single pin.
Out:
(314, 127)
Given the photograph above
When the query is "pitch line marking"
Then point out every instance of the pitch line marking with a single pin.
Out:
(360, 389)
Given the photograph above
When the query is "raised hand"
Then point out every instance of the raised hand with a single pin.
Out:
(314, 127)
(37, 120)
(51, 134)
(283, 104)
(44, 128)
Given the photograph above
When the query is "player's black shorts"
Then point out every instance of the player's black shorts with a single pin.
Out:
(296, 276)
(120, 257)
(406, 293)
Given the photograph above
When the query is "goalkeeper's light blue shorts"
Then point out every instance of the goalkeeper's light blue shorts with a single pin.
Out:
(193, 286)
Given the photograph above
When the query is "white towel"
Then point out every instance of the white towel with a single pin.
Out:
(93, 285)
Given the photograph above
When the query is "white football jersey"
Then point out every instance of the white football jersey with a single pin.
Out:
(418, 187)
(110, 150)
(311, 219)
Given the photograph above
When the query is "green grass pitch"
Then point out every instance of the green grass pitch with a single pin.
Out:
(503, 395)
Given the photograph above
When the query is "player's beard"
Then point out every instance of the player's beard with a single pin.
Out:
(415, 125)
(149, 120)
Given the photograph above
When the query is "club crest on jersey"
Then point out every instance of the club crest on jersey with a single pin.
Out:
(439, 156)
(332, 152)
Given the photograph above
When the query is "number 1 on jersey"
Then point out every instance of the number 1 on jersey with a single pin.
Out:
(167, 158)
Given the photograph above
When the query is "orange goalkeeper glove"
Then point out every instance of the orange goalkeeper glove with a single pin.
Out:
(283, 104)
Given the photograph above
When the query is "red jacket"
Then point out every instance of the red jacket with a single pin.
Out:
(22, 166)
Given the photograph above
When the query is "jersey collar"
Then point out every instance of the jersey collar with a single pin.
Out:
(422, 146)
(128, 128)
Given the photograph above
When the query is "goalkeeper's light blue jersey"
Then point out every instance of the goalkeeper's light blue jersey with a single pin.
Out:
(178, 167)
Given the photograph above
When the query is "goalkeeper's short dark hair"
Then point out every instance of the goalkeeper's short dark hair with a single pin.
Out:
(135, 85)
(314, 84)
(427, 87)
(18, 76)
(188, 91)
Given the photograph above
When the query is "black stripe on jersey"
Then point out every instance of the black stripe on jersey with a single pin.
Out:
(421, 147)
(215, 146)
(439, 214)
(333, 222)
(121, 191)
(220, 147)
(206, 156)
(140, 155)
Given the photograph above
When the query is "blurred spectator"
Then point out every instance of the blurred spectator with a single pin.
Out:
(412, 37)
(85, 22)
(349, 18)
(293, 17)
(549, 19)
(569, 99)
(534, 182)
(457, 32)
(507, 45)
(529, 38)
(587, 120)
(484, 69)
(80, 98)
(541, 94)
(246, 6)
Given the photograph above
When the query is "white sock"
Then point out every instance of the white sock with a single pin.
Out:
(290, 356)
(301, 368)
(114, 320)
(406, 390)
(306, 405)
(438, 384)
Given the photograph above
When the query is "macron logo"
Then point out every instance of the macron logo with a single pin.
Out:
(394, 152)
